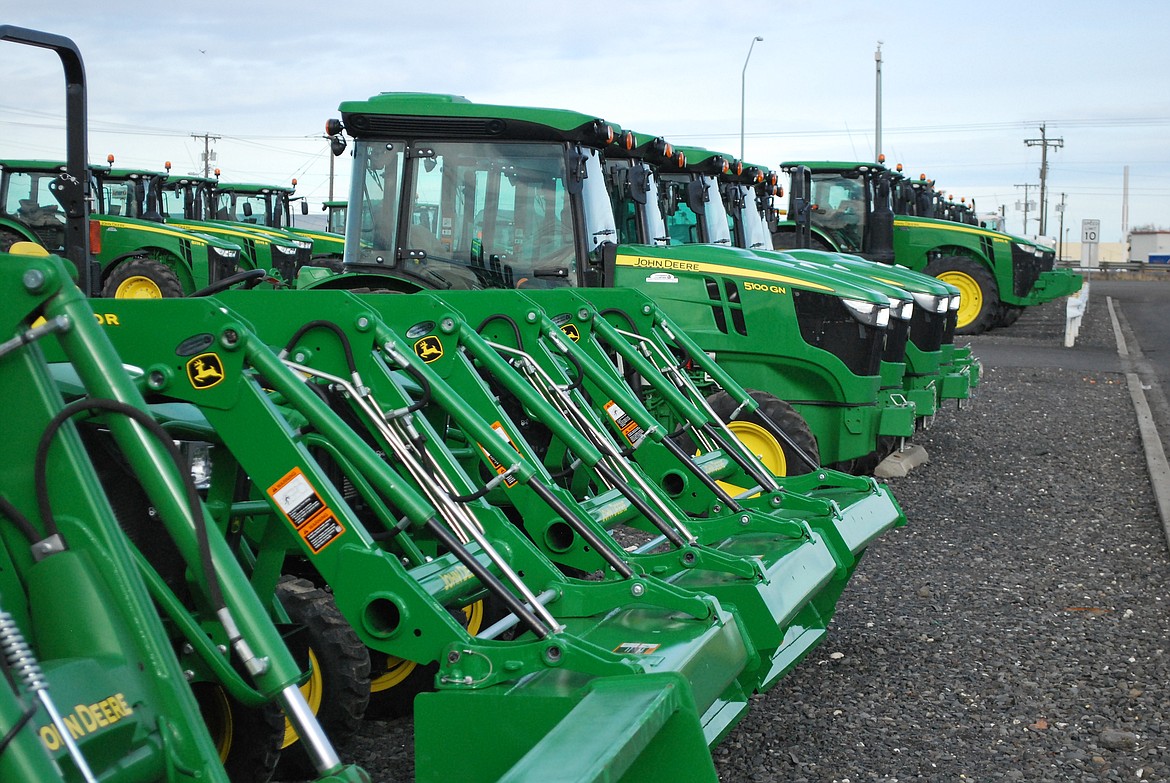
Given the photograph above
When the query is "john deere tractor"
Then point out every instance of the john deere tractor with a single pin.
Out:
(451, 194)
(847, 207)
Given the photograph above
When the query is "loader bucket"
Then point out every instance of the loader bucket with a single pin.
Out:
(337, 490)
(622, 729)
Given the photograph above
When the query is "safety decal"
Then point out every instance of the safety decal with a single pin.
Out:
(636, 648)
(306, 511)
(204, 371)
(429, 348)
(628, 427)
(498, 466)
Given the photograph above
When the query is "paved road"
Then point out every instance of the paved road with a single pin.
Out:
(1143, 310)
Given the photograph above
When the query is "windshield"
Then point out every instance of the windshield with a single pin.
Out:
(184, 199)
(749, 215)
(635, 195)
(243, 208)
(839, 208)
(336, 219)
(695, 211)
(29, 199)
(477, 214)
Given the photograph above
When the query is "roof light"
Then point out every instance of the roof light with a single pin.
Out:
(110, 159)
(333, 127)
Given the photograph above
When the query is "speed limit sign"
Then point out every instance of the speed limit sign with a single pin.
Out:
(1090, 231)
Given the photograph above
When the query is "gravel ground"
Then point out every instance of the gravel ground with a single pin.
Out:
(1014, 630)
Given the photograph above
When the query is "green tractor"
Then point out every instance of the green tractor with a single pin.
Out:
(149, 193)
(133, 647)
(271, 206)
(936, 370)
(335, 212)
(448, 194)
(687, 201)
(846, 207)
(131, 253)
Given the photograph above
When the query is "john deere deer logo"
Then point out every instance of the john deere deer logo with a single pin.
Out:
(429, 348)
(571, 332)
(205, 370)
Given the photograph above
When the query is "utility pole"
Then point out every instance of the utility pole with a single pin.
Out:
(1025, 206)
(1044, 143)
(208, 154)
(1060, 236)
(877, 142)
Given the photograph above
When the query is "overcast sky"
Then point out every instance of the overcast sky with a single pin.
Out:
(963, 84)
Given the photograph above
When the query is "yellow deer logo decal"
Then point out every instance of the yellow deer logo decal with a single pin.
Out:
(429, 348)
(205, 371)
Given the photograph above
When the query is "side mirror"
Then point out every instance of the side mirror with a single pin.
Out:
(305, 207)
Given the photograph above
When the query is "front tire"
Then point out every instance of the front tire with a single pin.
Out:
(142, 278)
(979, 305)
(247, 739)
(338, 688)
(779, 457)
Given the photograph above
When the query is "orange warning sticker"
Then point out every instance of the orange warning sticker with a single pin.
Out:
(498, 466)
(295, 496)
(636, 648)
(625, 423)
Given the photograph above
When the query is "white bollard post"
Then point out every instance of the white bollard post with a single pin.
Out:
(1074, 311)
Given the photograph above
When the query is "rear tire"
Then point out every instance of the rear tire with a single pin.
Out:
(338, 688)
(779, 457)
(142, 278)
(979, 305)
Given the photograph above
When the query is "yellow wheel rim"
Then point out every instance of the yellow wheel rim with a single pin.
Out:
(398, 670)
(312, 690)
(971, 295)
(217, 715)
(762, 444)
(138, 287)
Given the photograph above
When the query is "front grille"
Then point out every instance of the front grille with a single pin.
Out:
(1026, 269)
(950, 323)
(827, 324)
(927, 329)
(896, 337)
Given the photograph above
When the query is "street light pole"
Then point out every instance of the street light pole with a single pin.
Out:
(877, 142)
(743, 94)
